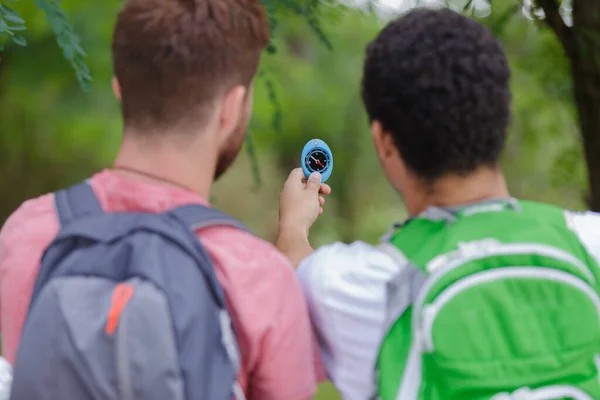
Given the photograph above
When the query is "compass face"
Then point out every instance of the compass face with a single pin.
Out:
(317, 160)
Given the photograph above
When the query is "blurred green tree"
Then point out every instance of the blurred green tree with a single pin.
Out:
(576, 24)
(12, 23)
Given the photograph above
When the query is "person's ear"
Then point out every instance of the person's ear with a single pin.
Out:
(232, 108)
(383, 141)
(116, 88)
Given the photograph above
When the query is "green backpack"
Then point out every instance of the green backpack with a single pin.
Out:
(494, 301)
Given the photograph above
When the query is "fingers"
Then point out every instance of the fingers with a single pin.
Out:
(314, 182)
(325, 189)
(297, 174)
(321, 201)
(295, 178)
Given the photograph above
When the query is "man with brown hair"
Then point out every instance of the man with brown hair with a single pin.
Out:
(184, 73)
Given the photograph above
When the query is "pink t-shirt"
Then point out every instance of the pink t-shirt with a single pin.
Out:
(266, 301)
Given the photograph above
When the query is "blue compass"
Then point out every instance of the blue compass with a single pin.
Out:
(317, 157)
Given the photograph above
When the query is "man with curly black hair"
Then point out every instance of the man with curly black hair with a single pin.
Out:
(438, 85)
(477, 295)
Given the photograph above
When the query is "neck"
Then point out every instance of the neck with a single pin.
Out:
(483, 184)
(168, 162)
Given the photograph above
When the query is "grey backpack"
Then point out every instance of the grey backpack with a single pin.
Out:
(127, 306)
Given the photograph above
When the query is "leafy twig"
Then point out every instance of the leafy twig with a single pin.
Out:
(11, 23)
(310, 14)
(249, 142)
(274, 100)
(270, 7)
(67, 40)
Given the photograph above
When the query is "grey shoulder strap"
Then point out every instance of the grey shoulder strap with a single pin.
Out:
(402, 290)
(450, 214)
(438, 214)
(197, 217)
(75, 202)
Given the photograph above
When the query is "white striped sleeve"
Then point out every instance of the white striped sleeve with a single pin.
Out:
(345, 287)
(587, 227)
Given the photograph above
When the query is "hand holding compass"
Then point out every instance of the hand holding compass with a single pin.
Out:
(301, 201)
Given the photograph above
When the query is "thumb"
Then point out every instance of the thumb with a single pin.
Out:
(314, 182)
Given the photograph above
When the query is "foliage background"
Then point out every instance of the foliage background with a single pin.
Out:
(53, 134)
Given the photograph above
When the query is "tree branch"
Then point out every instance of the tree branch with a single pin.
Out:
(557, 24)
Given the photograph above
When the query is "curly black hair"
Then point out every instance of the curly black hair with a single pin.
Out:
(439, 83)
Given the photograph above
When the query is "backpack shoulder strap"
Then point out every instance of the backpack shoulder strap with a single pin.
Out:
(451, 214)
(75, 202)
(197, 217)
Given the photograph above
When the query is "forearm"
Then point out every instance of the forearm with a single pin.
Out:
(293, 244)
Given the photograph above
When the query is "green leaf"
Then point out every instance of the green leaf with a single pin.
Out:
(67, 40)
(79, 49)
(68, 51)
(19, 40)
(19, 28)
(3, 26)
(84, 83)
(11, 15)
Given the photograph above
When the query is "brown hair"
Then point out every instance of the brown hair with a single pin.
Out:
(172, 57)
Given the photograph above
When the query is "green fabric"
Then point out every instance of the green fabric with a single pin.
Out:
(393, 356)
(502, 334)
